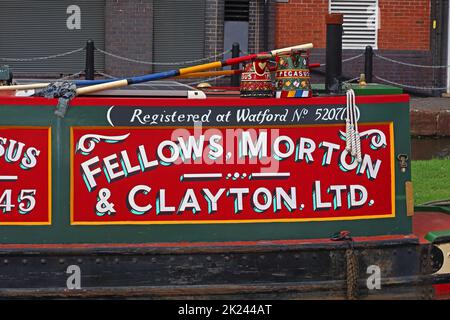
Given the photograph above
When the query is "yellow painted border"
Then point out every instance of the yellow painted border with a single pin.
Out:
(392, 153)
(286, 220)
(49, 169)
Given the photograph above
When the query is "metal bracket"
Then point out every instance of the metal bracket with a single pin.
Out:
(403, 160)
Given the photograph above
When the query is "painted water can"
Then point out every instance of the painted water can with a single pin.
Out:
(256, 81)
(292, 77)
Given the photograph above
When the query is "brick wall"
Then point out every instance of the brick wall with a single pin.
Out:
(404, 35)
(256, 25)
(214, 27)
(214, 31)
(404, 25)
(300, 21)
(129, 33)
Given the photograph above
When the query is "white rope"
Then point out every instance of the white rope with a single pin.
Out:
(352, 124)
(408, 64)
(409, 86)
(42, 58)
(160, 63)
(348, 129)
(353, 139)
(357, 136)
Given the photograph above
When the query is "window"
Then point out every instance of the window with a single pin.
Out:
(361, 20)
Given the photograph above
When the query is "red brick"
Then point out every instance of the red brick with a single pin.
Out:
(404, 25)
(443, 123)
(423, 123)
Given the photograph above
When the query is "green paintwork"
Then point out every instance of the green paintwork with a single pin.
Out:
(435, 235)
(369, 89)
(62, 232)
(429, 208)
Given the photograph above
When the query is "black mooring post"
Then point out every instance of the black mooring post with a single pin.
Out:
(333, 71)
(234, 54)
(368, 64)
(89, 71)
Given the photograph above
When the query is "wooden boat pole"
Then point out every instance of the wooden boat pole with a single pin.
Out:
(210, 74)
(181, 72)
(24, 86)
(184, 72)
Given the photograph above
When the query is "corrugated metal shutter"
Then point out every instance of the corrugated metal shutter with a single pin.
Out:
(178, 31)
(30, 28)
(361, 18)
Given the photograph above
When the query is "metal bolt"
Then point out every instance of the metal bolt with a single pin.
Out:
(262, 257)
(208, 258)
(43, 261)
(5, 261)
(98, 261)
(80, 260)
(24, 261)
(61, 261)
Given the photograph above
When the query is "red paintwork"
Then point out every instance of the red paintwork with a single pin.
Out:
(237, 60)
(425, 222)
(202, 244)
(216, 101)
(28, 143)
(442, 291)
(302, 177)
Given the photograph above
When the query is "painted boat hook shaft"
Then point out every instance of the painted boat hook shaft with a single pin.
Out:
(180, 72)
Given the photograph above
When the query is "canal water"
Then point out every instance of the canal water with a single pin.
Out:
(430, 148)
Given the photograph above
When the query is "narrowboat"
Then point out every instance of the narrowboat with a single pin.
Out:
(163, 190)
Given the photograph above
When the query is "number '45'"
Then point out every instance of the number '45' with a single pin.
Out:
(25, 201)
